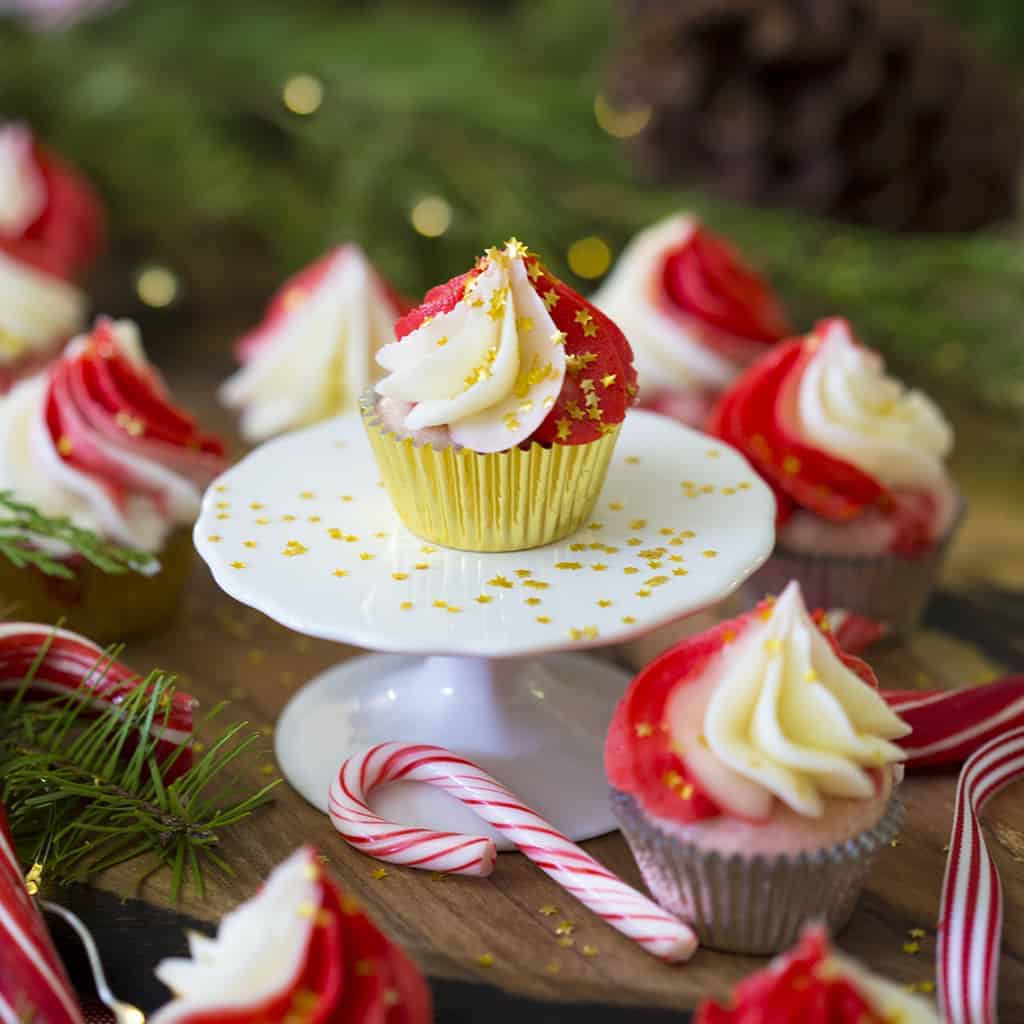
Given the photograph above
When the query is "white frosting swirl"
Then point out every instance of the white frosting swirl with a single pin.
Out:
(32, 468)
(259, 949)
(317, 360)
(845, 404)
(22, 188)
(490, 369)
(37, 311)
(667, 350)
(782, 716)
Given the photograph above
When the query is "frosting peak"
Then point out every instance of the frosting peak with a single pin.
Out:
(490, 368)
(97, 438)
(787, 718)
(312, 356)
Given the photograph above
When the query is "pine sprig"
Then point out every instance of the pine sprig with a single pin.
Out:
(85, 795)
(24, 526)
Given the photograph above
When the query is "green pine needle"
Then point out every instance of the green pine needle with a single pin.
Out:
(79, 803)
(24, 526)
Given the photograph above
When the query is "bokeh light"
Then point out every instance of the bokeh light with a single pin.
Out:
(431, 216)
(303, 94)
(157, 286)
(589, 257)
(620, 122)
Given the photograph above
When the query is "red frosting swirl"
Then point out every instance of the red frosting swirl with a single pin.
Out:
(753, 417)
(65, 237)
(102, 408)
(640, 757)
(600, 361)
(800, 986)
(704, 277)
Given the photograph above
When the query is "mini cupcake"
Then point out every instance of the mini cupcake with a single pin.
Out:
(96, 438)
(816, 984)
(753, 775)
(50, 227)
(299, 950)
(694, 312)
(502, 402)
(866, 509)
(313, 354)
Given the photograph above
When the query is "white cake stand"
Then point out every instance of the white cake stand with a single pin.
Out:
(483, 648)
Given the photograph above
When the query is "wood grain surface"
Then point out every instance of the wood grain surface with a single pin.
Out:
(222, 650)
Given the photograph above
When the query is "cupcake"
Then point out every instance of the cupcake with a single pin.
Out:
(313, 354)
(496, 420)
(299, 950)
(866, 508)
(50, 226)
(694, 312)
(97, 438)
(816, 984)
(753, 775)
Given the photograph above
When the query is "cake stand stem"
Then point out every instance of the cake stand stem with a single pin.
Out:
(537, 724)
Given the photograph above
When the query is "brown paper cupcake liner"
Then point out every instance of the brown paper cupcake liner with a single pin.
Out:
(889, 588)
(757, 905)
(499, 501)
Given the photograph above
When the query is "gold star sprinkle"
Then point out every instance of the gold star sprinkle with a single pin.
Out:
(293, 548)
(441, 342)
(604, 603)
(558, 338)
(340, 572)
(524, 573)
(422, 565)
(548, 910)
(366, 556)
(485, 960)
(563, 428)
(213, 538)
(628, 620)
(568, 565)
(399, 576)
(223, 504)
(238, 565)
(589, 950)
(483, 599)
(533, 601)
(223, 515)
(524, 324)
(500, 581)
(536, 584)
(916, 933)
(680, 572)
(550, 298)
(710, 553)
(406, 606)
(629, 570)
(643, 593)
(911, 947)
(644, 729)
(565, 928)
(543, 619)
(379, 873)
(350, 538)
(599, 567)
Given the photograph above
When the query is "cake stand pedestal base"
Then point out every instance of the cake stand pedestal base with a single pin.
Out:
(536, 723)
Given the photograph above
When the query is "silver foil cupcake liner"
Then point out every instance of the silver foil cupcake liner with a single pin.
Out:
(891, 589)
(756, 905)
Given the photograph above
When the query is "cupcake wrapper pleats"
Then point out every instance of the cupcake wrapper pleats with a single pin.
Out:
(756, 905)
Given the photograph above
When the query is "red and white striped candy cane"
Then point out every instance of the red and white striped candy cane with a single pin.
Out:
(971, 915)
(577, 872)
(950, 725)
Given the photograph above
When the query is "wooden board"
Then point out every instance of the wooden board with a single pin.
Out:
(223, 651)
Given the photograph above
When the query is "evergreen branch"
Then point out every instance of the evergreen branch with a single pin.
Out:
(79, 803)
(25, 526)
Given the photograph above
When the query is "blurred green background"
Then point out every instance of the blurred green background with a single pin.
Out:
(234, 141)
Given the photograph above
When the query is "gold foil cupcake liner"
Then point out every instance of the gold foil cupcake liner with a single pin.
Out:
(499, 501)
(756, 905)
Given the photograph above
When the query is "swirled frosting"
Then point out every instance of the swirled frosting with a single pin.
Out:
(838, 441)
(507, 353)
(22, 189)
(298, 949)
(816, 984)
(785, 718)
(313, 355)
(759, 713)
(694, 314)
(844, 402)
(489, 369)
(96, 438)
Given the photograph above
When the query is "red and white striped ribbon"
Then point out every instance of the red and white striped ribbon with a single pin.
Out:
(597, 888)
(971, 915)
(948, 726)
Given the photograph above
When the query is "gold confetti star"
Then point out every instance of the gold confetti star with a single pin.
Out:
(599, 567)
(543, 620)
(483, 599)
(608, 380)
(558, 338)
(548, 910)
(293, 548)
(563, 428)
(643, 593)
(568, 565)
(912, 947)
(710, 553)
(485, 960)
(524, 324)
(379, 873)
(680, 572)
(550, 299)
(366, 556)
(536, 584)
(916, 933)
(589, 950)
(644, 729)
(238, 565)
(340, 573)
(630, 570)
(524, 573)
(307, 495)
(422, 565)
(615, 506)
(500, 581)
(567, 942)
(628, 620)
(406, 606)
(214, 538)
(565, 928)
(399, 576)
(533, 601)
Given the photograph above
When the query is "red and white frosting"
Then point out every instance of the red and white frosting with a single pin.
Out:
(816, 984)
(49, 216)
(856, 460)
(97, 438)
(313, 354)
(298, 950)
(763, 720)
(693, 311)
(506, 354)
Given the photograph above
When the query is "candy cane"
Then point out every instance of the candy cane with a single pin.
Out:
(971, 915)
(949, 726)
(64, 664)
(33, 985)
(577, 872)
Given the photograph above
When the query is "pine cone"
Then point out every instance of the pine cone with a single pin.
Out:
(872, 110)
